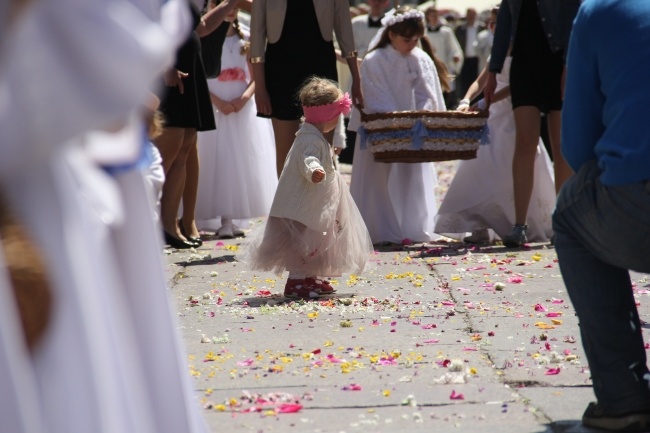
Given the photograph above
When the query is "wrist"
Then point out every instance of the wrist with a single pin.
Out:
(464, 101)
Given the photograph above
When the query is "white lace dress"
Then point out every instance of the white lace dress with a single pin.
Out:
(481, 194)
(397, 201)
(238, 175)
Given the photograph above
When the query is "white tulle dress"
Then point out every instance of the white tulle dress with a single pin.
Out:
(481, 194)
(238, 175)
(313, 228)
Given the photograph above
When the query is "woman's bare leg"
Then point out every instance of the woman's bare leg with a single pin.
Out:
(190, 191)
(560, 167)
(527, 125)
(169, 144)
(284, 132)
(172, 145)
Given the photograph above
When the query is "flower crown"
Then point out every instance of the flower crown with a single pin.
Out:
(389, 20)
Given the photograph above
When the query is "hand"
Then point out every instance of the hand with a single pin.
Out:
(338, 150)
(263, 101)
(490, 87)
(224, 107)
(174, 78)
(317, 176)
(465, 108)
(239, 103)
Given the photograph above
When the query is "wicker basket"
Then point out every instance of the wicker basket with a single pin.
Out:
(423, 136)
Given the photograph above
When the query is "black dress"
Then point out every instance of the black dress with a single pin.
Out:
(536, 71)
(301, 52)
(192, 108)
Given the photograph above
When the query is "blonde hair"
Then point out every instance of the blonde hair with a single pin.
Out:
(319, 91)
(155, 122)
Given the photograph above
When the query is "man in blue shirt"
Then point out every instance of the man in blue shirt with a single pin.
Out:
(602, 218)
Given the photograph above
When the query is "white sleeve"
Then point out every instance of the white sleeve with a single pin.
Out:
(75, 66)
(339, 134)
(427, 88)
(376, 96)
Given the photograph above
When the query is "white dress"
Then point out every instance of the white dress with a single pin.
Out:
(238, 175)
(481, 194)
(397, 201)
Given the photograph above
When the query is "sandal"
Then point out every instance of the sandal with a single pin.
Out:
(322, 286)
(300, 289)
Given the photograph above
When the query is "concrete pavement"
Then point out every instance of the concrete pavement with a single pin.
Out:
(438, 337)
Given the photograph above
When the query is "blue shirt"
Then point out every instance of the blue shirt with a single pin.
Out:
(606, 106)
(557, 17)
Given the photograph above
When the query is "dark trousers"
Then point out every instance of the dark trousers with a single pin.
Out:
(468, 74)
(601, 231)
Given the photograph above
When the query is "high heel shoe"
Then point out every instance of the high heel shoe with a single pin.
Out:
(196, 241)
(177, 243)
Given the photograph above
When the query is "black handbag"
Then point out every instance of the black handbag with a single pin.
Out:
(211, 47)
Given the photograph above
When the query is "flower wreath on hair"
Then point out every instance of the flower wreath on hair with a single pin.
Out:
(389, 20)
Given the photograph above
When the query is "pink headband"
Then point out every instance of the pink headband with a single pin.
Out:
(325, 113)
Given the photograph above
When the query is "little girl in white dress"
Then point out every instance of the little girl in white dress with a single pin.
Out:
(397, 200)
(314, 229)
(238, 177)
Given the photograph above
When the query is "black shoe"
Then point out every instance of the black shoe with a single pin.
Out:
(517, 237)
(596, 417)
(196, 241)
(177, 243)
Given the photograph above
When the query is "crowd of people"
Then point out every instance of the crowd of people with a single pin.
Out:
(135, 140)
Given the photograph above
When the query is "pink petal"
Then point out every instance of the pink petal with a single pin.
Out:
(515, 280)
(553, 314)
(540, 307)
(352, 387)
(455, 396)
(552, 371)
(289, 408)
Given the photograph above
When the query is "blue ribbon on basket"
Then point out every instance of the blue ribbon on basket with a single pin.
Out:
(363, 137)
(485, 135)
(419, 132)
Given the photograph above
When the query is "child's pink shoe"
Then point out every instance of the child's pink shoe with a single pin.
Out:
(323, 286)
(300, 289)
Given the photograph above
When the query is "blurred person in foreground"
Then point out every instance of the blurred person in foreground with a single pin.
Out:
(602, 217)
(79, 71)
